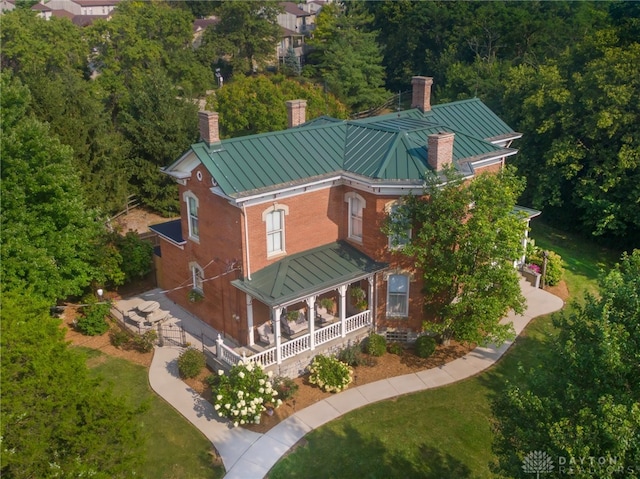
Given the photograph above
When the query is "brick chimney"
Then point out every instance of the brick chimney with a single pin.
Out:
(208, 124)
(296, 112)
(440, 150)
(421, 93)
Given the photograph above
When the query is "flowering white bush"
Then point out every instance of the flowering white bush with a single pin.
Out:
(330, 374)
(244, 393)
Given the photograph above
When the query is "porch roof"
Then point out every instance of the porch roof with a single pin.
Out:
(310, 272)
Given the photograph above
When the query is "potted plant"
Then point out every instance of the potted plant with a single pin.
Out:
(359, 298)
(293, 315)
(195, 296)
(329, 304)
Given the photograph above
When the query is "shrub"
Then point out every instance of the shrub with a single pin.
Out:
(330, 374)
(119, 338)
(352, 355)
(191, 362)
(286, 387)
(554, 270)
(137, 255)
(395, 348)
(93, 320)
(375, 345)
(243, 394)
(425, 346)
(144, 342)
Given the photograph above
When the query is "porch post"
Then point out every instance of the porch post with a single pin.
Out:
(276, 329)
(371, 301)
(342, 290)
(311, 317)
(250, 320)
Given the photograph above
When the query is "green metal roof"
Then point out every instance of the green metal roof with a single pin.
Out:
(391, 147)
(313, 271)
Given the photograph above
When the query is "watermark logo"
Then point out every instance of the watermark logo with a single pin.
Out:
(537, 462)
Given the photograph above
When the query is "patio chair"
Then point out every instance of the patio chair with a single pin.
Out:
(265, 333)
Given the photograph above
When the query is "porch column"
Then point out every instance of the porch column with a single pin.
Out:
(276, 329)
(342, 290)
(250, 320)
(371, 301)
(311, 317)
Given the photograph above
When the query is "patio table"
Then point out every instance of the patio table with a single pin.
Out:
(148, 307)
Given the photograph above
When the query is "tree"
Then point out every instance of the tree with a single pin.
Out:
(56, 420)
(246, 34)
(347, 57)
(580, 157)
(465, 238)
(583, 400)
(292, 65)
(257, 104)
(48, 235)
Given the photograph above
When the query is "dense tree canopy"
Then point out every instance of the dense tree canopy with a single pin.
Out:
(56, 420)
(346, 56)
(257, 104)
(584, 399)
(48, 235)
(465, 253)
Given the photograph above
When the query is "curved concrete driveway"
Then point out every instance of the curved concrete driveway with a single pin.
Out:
(249, 455)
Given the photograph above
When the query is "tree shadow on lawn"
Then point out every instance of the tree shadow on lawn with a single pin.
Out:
(346, 452)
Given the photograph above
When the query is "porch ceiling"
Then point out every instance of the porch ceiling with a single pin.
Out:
(310, 272)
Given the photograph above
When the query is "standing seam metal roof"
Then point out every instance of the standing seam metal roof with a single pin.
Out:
(389, 147)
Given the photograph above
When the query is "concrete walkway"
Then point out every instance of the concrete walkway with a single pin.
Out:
(249, 455)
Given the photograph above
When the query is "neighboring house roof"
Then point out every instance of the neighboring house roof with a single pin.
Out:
(171, 231)
(203, 23)
(40, 7)
(285, 32)
(63, 14)
(310, 272)
(86, 20)
(294, 9)
(388, 149)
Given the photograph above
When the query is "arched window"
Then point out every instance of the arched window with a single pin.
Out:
(274, 222)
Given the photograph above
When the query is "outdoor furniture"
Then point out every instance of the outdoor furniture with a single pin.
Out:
(157, 316)
(148, 307)
(265, 333)
(135, 317)
(294, 327)
(324, 317)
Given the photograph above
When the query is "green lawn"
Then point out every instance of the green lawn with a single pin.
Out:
(445, 432)
(174, 449)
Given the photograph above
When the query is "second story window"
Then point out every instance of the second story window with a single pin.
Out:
(274, 222)
(356, 209)
(402, 230)
(192, 212)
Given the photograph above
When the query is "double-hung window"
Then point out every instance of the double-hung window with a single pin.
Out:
(197, 277)
(400, 223)
(356, 208)
(192, 213)
(275, 232)
(398, 295)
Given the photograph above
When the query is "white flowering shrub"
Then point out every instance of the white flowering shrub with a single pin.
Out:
(330, 374)
(244, 393)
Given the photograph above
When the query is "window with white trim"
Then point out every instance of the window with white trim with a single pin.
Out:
(192, 215)
(197, 275)
(400, 239)
(275, 232)
(398, 295)
(356, 209)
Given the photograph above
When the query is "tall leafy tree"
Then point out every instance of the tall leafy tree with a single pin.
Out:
(257, 104)
(581, 157)
(465, 238)
(347, 56)
(583, 401)
(246, 35)
(56, 420)
(48, 234)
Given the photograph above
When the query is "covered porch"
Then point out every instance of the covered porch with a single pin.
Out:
(313, 299)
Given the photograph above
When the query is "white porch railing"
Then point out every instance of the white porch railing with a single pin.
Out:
(296, 346)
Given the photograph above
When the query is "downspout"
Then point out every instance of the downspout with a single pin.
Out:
(246, 240)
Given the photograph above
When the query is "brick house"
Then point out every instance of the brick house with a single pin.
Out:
(279, 245)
